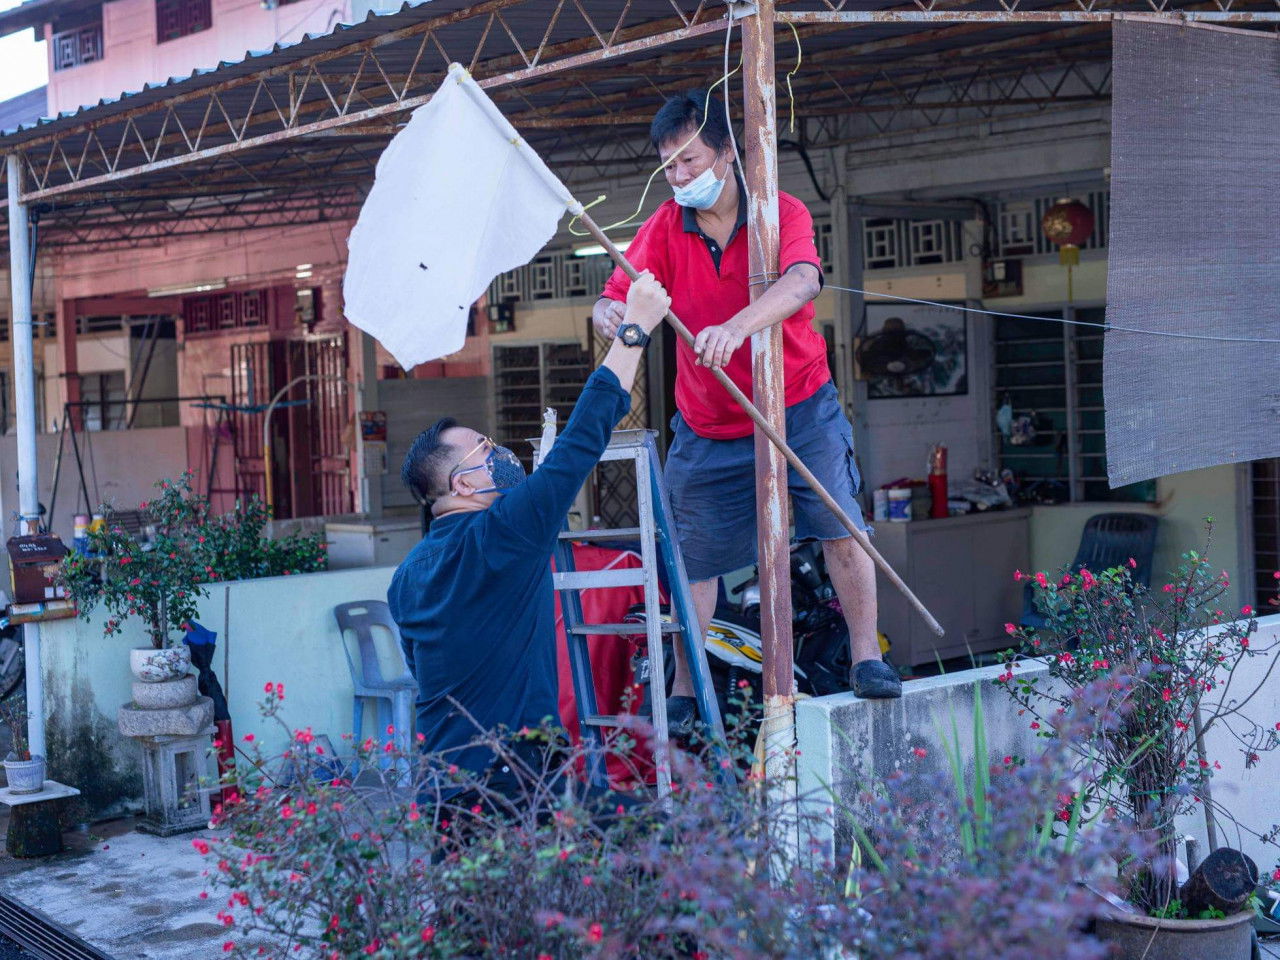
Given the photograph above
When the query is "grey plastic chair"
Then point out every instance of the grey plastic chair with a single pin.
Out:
(1108, 540)
(392, 696)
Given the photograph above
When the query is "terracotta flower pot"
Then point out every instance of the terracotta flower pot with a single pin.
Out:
(1138, 936)
(154, 666)
(25, 776)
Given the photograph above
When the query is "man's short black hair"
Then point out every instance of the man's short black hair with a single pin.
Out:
(428, 462)
(685, 113)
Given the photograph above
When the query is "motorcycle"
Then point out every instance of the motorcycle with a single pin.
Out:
(734, 648)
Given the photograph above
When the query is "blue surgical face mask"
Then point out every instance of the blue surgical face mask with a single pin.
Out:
(702, 192)
(504, 467)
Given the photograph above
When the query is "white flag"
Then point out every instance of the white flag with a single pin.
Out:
(459, 198)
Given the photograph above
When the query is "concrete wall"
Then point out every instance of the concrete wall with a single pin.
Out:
(271, 630)
(844, 741)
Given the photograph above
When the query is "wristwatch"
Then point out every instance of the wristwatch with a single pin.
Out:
(632, 335)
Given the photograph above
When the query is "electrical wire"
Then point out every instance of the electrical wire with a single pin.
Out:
(724, 79)
(1110, 327)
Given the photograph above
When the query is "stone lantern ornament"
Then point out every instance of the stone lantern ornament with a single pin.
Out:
(1068, 224)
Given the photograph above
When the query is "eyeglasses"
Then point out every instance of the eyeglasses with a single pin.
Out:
(485, 443)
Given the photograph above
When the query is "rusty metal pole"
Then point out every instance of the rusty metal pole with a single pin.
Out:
(760, 149)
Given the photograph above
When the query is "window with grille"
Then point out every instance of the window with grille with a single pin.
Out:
(1265, 480)
(1018, 232)
(1051, 376)
(180, 18)
(214, 313)
(103, 396)
(77, 46)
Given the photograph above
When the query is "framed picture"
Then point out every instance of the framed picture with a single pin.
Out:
(913, 350)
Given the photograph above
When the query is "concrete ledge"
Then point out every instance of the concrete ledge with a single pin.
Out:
(846, 742)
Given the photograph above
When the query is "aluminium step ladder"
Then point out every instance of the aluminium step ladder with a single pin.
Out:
(658, 548)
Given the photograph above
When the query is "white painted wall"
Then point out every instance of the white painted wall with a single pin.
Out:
(274, 630)
(843, 740)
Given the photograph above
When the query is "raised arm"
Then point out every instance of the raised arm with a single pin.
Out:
(534, 511)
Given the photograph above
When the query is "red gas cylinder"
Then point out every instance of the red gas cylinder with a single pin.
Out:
(938, 482)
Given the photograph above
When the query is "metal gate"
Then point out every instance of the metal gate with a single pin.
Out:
(310, 426)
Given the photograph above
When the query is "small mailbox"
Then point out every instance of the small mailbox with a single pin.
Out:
(33, 564)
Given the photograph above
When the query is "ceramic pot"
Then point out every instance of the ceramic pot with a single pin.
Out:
(1136, 936)
(25, 776)
(154, 666)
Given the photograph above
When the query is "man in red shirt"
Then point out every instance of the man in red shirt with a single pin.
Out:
(695, 245)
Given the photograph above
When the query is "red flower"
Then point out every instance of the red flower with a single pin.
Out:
(1042, 580)
(428, 934)
(1010, 629)
(1035, 724)
(595, 933)
(920, 752)
(1166, 694)
(248, 738)
(1246, 610)
(202, 846)
(228, 946)
(1133, 563)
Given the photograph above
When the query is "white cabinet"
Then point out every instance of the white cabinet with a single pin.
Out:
(371, 543)
(962, 569)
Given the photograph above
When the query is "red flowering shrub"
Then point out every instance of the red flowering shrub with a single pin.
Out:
(325, 864)
(1167, 657)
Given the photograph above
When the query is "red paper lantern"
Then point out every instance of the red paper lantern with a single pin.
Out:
(1067, 224)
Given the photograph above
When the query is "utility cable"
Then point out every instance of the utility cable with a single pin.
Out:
(1073, 323)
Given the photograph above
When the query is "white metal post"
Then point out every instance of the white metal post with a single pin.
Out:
(24, 386)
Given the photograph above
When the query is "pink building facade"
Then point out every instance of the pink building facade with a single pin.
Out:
(255, 314)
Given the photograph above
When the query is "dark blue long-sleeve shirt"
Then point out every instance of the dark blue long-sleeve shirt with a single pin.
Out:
(474, 599)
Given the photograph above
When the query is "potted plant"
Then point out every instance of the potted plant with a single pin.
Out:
(158, 582)
(1173, 655)
(24, 773)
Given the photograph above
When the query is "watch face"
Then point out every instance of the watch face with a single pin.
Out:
(631, 335)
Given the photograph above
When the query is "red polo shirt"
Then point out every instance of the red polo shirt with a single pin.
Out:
(705, 292)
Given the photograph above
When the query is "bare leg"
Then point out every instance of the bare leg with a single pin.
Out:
(704, 602)
(853, 574)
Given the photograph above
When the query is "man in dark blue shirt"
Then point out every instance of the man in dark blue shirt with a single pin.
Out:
(474, 599)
